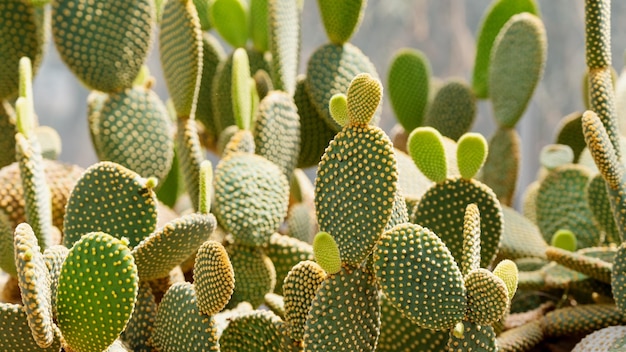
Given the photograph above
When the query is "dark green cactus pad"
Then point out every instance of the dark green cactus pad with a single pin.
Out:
(602, 103)
(598, 34)
(277, 131)
(251, 197)
(169, 246)
(476, 338)
(7, 255)
(521, 338)
(285, 252)
(501, 168)
(593, 267)
(400, 214)
(600, 205)
(450, 199)
(618, 279)
(114, 42)
(97, 292)
(34, 282)
(180, 48)
(199, 331)
(487, 297)
(341, 18)
(521, 238)
(345, 313)
(16, 334)
(581, 319)
(284, 43)
(315, 134)
(263, 83)
(161, 285)
(214, 277)
(230, 19)
(22, 33)
(257, 331)
(255, 275)
(141, 324)
(570, 132)
(496, 16)
(202, 8)
(259, 27)
(601, 340)
(422, 257)
(172, 186)
(517, 61)
(276, 304)
(470, 260)
(54, 257)
(212, 55)
(112, 199)
(134, 131)
(301, 222)
(453, 110)
(299, 290)
(397, 333)
(7, 133)
(242, 141)
(357, 155)
(409, 87)
(562, 204)
(330, 70)
(191, 156)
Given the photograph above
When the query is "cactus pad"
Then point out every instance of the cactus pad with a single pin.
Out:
(230, 19)
(338, 106)
(507, 271)
(598, 33)
(581, 319)
(7, 254)
(470, 260)
(212, 55)
(214, 278)
(253, 332)
(501, 167)
(7, 133)
(427, 151)
(590, 266)
(241, 89)
(299, 289)
(599, 203)
(285, 252)
(255, 275)
(284, 42)
(16, 334)
(276, 303)
(475, 338)
(522, 338)
(429, 268)
(521, 238)
(341, 18)
(191, 156)
(618, 279)
(453, 109)
(487, 297)
(601, 340)
(141, 324)
(470, 154)
(97, 291)
(363, 99)
(570, 133)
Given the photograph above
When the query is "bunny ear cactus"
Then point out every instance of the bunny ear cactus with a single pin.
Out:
(284, 43)
(427, 151)
(502, 165)
(141, 324)
(473, 338)
(16, 333)
(453, 110)
(214, 278)
(600, 205)
(230, 19)
(286, 252)
(570, 132)
(255, 275)
(341, 18)
(212, 55)
(7, 134)
(470, 260)
(191, 156)
(300, 287)
(251, 332)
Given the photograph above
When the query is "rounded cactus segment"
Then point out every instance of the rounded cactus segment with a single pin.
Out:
(601, 340)
(555, 155)
(252, 332)
(453, 109)
(520, 237)
(299, 290)
(521, 338)
(600, 205)
(338, 107)
(169, 246)
(241, 141)
(487, 297)
(34, 282)
(284, 42)
(114, 41)
(570, 132)
(16, 334)
(426, 149)
(327, 252)
(409, 87)
(598, 33)
(112, 199)
(357, 156)
(470, 260)
(471, 153)
(345, 313)
(54, 257)
(230, 19)
(214, 278)
(363, 98)
(341, 18)
(475, 338)
(507, 271)
(139, 329)
(97, 292)
(255, 275)
(191, 155)
(199, 331)
(564, 239)
(517, 62)
(251, 197)
(595, 268)
(581, 319)
(286, 252)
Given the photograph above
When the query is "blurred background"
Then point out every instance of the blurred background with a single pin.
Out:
(444, 30)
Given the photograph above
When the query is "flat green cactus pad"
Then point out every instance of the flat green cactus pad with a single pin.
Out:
(502, 165)
(257, 331)
(600, 205)
(284, 43)
(242, 141)
(277, 131)
(301, 222)
(593, 267)
(180, 48)
(199, 331)
(508, 272)
(470, 260)
(570, 132)
(598, 34)
(601, 340)
(259, 27)
(341, 18)
(345, 313)
(487, 297)
(214, 277)
(212, 55)
(453, 110)
(425, 145)
(134, 131)
(581, 319)
(326, 252)
(276, 303)
(251, 197)
(16, 334)
(139, 329)
(521, 338)
(255, 275)
(34, 282)
(191, 156)
(450, 199)
(409, 87)
(54, 257)
(330, 70)
(428, 269)
(230, 19)
(470, 154)
(7, 255)
(241, 89)
(354, 159)
(364, 96)
(114, 41)
(618, 279)
(476, 338)
(112, 199)
(7, 133)
(169, 246)
(285, 252)
(521, 238)
(496, 16)
(97, 292)
(400, 214)
(299, 290)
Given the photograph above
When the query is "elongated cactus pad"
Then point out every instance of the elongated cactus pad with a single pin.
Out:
(284, 43)
(502, 165)
(7, 254)
(427, 151)
(97, 291)
(191, 156)
(475, 338)
(521, 338)
(285, 252)
(453, 110)
(341, 18)
(230, 19)
(139, 329)
(581, 319)
(603, 103)
(255, 275)
(114, 42)
(345, 313)
(598, 33)
(16, 334)
(431, 268)
(198, 333)
(241, 89)
(600, 205)
(259, 28)
(113, 199)
(212, 55)
(470, 260)
(487, 297)
(618, 279)
(257, 331)
(299, 290)
(470, 154)
(214, 278)
(592, 267)
(601, 340)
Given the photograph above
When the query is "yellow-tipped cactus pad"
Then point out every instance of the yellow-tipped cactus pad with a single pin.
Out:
(507, 271)
(363, 98)
(487, 297)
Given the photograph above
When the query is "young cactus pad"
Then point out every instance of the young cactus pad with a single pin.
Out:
(363, 98)
(471, 153)
(299, 289)
(487, 297)
(341, 18)
(253, 332)
(214, 278)
(426, 149)
(97, 291)
(230, 19)
(326, 252)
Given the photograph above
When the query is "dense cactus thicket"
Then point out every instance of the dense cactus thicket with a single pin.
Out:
(401, 243)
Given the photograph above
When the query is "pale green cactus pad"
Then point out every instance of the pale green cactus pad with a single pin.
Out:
(180, 49)
(277, 131)
(601, 340)
(420, 253)
(476, 338)
(593, 267)
(453, 109)
(502, 165)
(570, 132)
(169, 246)
(496, 16)
(16, 334)
(214, 277)
(618, 279)
(191, 155)
(257, 331)
(470, 154)
(112, 199)
(341, 18)
(521, 338)
(34, 282)
(134, 131)
(508, 272)
(600, 205)
(517, 61)
(198, 333)
(487, 297)
(470, 260)
(212, 55)
(327, 253)
(251, 197)
(363, 98)
(581, 319)
(345, 313)
(408, 83)
(230, 19)
(330, 70)
(97, 292)
(357, 155)
(521, 238)
(141, 324)
(255, 275)
(426, 148)
(7, 133)
(114, 42)
(241, 89)
(259, 27)
(285, 252)
(299, 290)
(284, 43)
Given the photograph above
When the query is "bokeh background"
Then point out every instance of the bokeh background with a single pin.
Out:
(445, 30)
